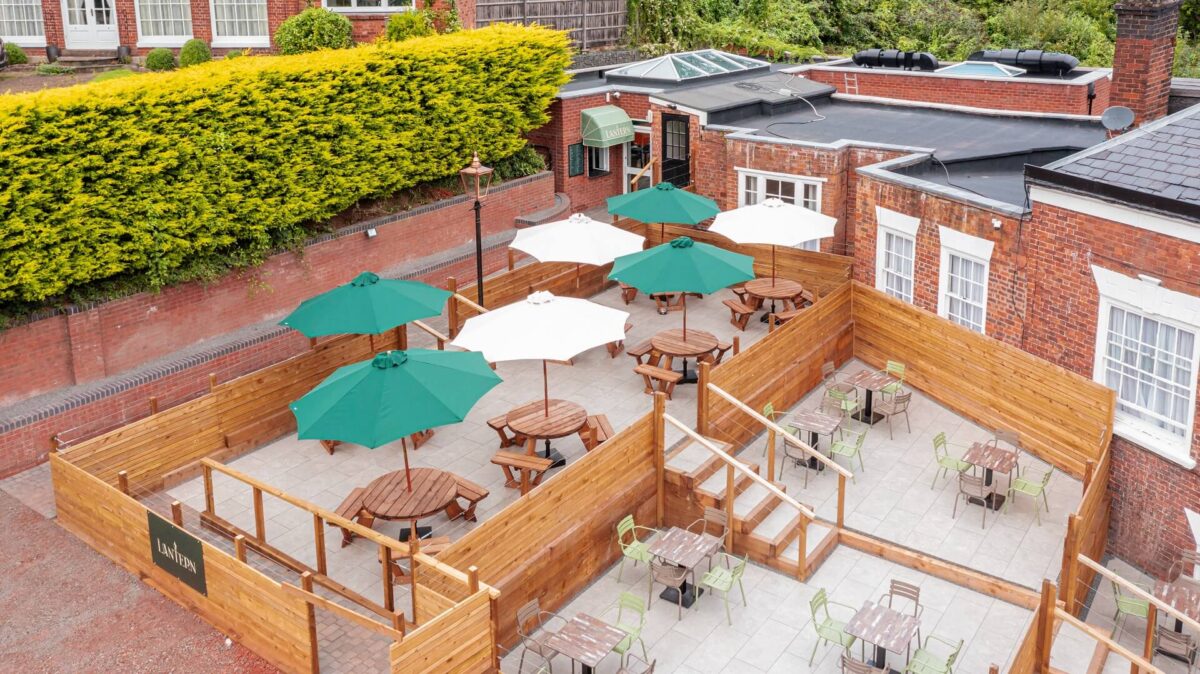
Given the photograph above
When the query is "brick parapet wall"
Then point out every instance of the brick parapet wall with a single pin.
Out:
(994, 94)
(107, 339)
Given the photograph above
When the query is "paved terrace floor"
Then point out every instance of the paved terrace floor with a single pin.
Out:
(773, 633)
(601, 384)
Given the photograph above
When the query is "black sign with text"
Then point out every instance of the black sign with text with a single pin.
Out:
(177, 552)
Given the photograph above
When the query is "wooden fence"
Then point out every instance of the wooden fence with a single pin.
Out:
(458, 640)
(589, 23)
(1087, 533)
(234, 417)
(780, 369)
(1062, 417)
(554, 540)
(240, 601)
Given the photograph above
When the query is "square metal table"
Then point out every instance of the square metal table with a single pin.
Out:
(872, 381)
(885, 628)
(683, 548)
(586, 640)
(991, 459)
(816, 423)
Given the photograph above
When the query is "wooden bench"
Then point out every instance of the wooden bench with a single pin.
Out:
(785, 316)
(419, 438)
(500, 425)
(614, 348)
(717, 354)
(352, 509)
(595, 431)
(530, 469)
(806, 298)
(666, 379)
(470, 492)
(644, 353)
(628, 293)
(739, 313)
(430, 546)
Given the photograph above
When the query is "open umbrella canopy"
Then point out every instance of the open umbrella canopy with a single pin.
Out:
(578, 239)
(681, 266)
(773, 222)
(393, 395)
(542, 327)
(663, 203)
(368, 305)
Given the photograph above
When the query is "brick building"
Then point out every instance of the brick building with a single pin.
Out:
(101, 26)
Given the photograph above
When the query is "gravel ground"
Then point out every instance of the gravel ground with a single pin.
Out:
(20, 81)
(65, 608)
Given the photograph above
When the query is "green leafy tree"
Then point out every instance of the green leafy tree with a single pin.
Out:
(314, 28)
(1036, 24)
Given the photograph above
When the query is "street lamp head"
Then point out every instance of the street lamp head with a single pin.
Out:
(476, 178)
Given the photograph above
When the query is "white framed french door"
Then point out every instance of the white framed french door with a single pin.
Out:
(636, 154)
(90, 24)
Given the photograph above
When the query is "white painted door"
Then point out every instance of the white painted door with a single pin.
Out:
(90, 24)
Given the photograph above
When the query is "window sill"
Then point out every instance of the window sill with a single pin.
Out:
(168, 43)
(1174, 450)
(28, 42)
(599, 174)
(241, 42)
(369, 10)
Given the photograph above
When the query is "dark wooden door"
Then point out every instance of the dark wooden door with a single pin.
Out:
(676, 151)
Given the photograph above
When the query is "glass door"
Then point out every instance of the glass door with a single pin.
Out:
(676, 153)
(90, 24)
(637, 156)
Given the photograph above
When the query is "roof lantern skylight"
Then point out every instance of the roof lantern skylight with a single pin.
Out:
(689, 66)
(982, 69)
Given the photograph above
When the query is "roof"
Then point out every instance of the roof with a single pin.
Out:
(774, 90)
(1156, 166)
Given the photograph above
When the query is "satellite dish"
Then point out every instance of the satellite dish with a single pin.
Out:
(1117, 118)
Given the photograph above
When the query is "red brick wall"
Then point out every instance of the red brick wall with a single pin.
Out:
(1144, 55)
(117, 336)
(1149, 492)
(1006, 296)
(991, 94)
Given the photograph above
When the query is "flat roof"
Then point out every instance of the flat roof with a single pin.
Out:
(1071, 76)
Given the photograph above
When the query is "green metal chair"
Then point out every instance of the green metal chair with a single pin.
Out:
(631, 618)
(631, 547)
(850, 448)
(769, 412)
(896, 370)
(945, 462)
(845, 403)
(1128, 605)
(1033, 488)
(927, 660)
(724, 576)
(828, 628)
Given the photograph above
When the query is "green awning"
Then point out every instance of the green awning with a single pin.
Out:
(606, 126)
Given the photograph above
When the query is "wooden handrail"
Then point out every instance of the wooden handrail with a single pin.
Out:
(1103, 638)
(638, 176)
(787, 437)
(1139, 592)
(442, 339)
(469, 303)
(740, 466)
(342, 611)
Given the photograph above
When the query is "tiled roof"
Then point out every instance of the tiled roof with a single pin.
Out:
(1161, 159)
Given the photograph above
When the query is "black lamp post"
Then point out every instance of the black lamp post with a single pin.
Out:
(477, 178)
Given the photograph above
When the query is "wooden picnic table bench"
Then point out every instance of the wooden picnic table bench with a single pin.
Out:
(664, 378)
(350, 509)
(739, 313)
(469, 491)
(529, 468)
(596, 431)
(614, 348)
(500, 424)
(644, 353)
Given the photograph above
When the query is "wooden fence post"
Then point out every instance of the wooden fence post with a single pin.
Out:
(1045, 634)
(177, 513)
(319, 540)
(472, 579)
(737, 345)
(452, 306)
(123, 482)
(239, 547)
(414, 546)
(212, 381)
(306, 582)
(1068, 578)
(730, 497)
(389, 601)
(771, 453)
(1089, 473)
(659, 448)
(802, 547)
(402, 337)
(153, 404)
(702, 375)
(841, 513)
(1148, 652)
(260, 522)
(512, 259)
(209, 505)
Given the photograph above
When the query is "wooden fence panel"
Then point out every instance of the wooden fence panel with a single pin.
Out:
(553, 541)
(459, 641)
(236, 416)
(241, 602)
(590, 23)
(1062, 417)
(782, 367)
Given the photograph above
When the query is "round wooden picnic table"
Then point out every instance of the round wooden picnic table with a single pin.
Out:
(546, 420)
(388, 496)
(774, 289)
(671, 343)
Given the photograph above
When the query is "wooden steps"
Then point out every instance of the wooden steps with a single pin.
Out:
(753, 505)
(775, 533)
(689, 463)
(818, 536)
(711, 493)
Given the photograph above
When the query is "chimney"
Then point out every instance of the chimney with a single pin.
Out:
(1144, 55)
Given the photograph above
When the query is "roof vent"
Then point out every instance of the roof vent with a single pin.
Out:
(894, 58)
(1032, 60)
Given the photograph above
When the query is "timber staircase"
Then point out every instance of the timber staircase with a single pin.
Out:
(764, 526)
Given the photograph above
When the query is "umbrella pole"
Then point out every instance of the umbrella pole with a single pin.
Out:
(683, 303)
(772, 266)
(407, 474)
(545, 390)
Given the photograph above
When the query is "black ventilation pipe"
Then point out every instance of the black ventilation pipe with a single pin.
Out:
(1031, 60)
(894, 58)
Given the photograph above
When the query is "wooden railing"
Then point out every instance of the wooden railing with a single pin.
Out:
(1063, 418)
(1087, 533)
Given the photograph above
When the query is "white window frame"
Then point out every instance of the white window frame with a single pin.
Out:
(1145, 297)
(227, 41)
(972, 248)
(169, 41)
(898, 224)
(598, 162)
(30, 41)
(370, 10)
(801, 183)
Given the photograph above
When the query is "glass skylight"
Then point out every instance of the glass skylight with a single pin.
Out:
(689, 65)
(982, 69)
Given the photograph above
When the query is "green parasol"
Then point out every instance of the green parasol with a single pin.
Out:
(368, 305)
(682, 266)
(393, 395)
(664, 203)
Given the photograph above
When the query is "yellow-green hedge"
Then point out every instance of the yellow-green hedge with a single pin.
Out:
(141, 176)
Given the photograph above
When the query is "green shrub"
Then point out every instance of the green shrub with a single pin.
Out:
(54, 69)
(194, 52)
(16, 55)
(146, 181)
(314, 28)
(1187, 56)
(160, 59)
(1036, 24)
(523, 162)
(112, 75)
(402, 26)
